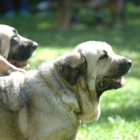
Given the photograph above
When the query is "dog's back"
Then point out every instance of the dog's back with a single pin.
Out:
(32, 103)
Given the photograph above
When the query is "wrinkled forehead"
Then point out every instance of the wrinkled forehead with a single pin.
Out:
(94, 49)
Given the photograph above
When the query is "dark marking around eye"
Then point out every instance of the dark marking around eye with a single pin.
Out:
(14, 31)
(104, 56)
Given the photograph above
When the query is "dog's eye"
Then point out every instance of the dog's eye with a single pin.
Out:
(15, 31)
(14, 41)
(104, 56)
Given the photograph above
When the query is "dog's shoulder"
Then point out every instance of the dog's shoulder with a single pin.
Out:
(49, 73)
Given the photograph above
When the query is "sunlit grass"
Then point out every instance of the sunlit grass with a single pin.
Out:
(44, 54)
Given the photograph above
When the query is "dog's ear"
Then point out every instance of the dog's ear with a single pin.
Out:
(72, 66)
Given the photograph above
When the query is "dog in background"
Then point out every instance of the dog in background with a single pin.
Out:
(14, 47)
(49, 103)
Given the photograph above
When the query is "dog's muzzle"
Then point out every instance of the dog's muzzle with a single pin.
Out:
(20, 53)
(115, 79)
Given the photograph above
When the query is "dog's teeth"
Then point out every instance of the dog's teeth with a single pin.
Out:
(129, 70)
(122, 81)
(34, 53)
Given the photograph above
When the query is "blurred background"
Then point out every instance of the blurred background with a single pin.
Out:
(59, 25)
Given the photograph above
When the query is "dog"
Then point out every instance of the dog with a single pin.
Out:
(14, 47)
(51, 102)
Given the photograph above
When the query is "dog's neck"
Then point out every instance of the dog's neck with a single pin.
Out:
(60, 88)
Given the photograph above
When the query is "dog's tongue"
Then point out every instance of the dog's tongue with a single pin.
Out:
(120, 80)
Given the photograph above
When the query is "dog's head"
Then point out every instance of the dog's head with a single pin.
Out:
(14, 47)
(91, 69)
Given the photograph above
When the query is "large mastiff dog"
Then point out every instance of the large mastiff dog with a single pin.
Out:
(50, 103)
(14, 47)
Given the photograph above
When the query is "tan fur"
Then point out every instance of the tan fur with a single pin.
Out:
(47, 104)
(6, 34)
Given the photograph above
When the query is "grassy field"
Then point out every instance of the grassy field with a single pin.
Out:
(120, 117)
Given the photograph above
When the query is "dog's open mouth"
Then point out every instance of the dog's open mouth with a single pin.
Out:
(19, 64)
(109, 83)
(120, 80)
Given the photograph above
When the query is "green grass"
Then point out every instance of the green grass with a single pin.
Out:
(120, 117)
